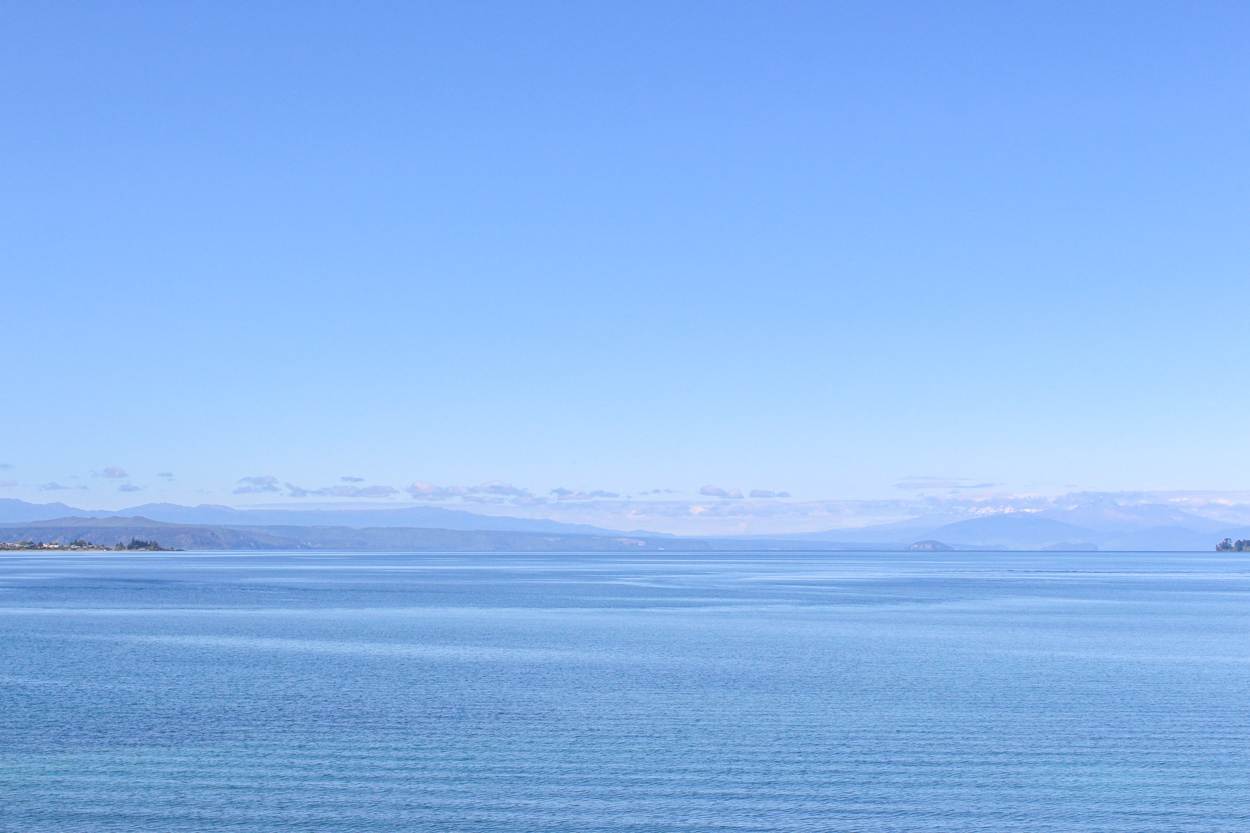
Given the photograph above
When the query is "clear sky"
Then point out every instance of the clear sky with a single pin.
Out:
(839, 250)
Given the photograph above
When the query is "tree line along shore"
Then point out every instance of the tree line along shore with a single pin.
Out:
(133, 545)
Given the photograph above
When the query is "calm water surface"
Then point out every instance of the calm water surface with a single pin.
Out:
(736, 692)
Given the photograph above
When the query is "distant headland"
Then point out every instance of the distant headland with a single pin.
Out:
(1229, 545)
(79, 545)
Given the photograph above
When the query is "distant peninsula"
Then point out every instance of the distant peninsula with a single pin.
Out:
(79, 545)
(1229, 545)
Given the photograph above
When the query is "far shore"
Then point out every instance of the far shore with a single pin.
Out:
(135, 545)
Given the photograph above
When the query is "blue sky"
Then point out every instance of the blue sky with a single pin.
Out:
(837, 250)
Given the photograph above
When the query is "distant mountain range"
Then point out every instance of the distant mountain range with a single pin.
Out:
(1140, 527)
(1085, 526)
(434, 517)
(113, 530)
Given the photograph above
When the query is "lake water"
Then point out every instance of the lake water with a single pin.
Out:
(714, 692)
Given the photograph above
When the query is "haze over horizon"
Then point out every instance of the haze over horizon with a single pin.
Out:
(703, 269)
(1174, 516)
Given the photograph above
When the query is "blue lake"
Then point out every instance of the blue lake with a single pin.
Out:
(920, 692)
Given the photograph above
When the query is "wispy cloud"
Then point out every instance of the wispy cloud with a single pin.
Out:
(257, 484)
(129, 487)
(924, 483)
(54, 486)
(347, 478)
(112, 473)
(767, 494)
(165, 475)
(7, 484)
(494, 491)
(594, 494)
(498, 488)
(421, 490)
(342, 490)
(717, 491)
(5, 466)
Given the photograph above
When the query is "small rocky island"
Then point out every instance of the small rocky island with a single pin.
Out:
(79, 545)
(930, 546)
